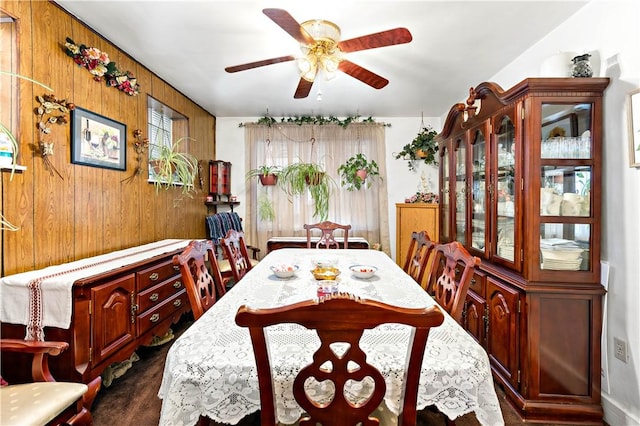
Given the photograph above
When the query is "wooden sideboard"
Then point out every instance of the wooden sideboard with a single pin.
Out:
(412, 217)
(276, 243)
(114, 313)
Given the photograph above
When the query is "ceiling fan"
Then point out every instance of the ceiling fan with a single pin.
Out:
(322, 50)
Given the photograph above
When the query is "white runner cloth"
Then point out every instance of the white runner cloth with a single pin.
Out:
(210, 370)
(44, 297)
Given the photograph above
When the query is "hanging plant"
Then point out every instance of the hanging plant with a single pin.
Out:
(423, 147)
(51, 111)
(268, 175)
(358, 172)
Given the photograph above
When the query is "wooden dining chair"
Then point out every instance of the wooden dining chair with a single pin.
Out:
(327, 234)
(418, 261)
(204, 286)
(235, 250)
(44, 401)
(348, 317)
(451, 273)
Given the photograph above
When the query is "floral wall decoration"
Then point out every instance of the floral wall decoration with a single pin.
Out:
(51, 111)
(101, 67)
(140, 146)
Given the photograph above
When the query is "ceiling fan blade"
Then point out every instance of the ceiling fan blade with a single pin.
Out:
(372, 41)
(289, 24)
(363, 74)
(257, 64)
(304, 88)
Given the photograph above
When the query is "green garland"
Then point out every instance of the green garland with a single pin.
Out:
(319, 120)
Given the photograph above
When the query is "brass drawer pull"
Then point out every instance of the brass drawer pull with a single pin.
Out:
(177, 302)
(154, 318)
(176, 268)
(154, 297)
(473, 281)
(154, 276)
(177, 284)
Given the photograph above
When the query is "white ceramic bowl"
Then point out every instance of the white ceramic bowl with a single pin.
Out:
(284, 270)
(363, 271)
(561, 254)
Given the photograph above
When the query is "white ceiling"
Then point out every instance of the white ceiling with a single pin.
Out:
(456, 45)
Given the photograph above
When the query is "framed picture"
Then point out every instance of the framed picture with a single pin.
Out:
(97, 141)
(634, 128)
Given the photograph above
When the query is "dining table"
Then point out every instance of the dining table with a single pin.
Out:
(210, 369)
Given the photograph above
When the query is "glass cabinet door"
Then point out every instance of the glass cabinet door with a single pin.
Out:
(565, 187)
(478, 185)
(445, 203)
(504, 188)
(460, 168)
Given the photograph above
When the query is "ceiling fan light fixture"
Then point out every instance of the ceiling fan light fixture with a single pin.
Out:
(322, 30)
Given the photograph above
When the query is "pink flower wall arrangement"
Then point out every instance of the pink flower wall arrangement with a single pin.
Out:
(101, 67)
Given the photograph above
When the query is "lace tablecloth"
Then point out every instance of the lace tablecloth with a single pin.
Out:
(210, 370)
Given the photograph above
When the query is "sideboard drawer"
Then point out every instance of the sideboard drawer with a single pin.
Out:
(149, 319)
(157, 294)
(156, 274)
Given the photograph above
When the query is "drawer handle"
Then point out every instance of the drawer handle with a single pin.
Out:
(177, 284)
(473, 280)
(154, 276)
(154, 297)
(176, 268)
(177, 302)
(154, 318)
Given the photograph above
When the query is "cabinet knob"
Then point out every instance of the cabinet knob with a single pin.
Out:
(177, 302)
(154, 318)
(177, 284)
(154, 276)
(154, 297)
(176, 268)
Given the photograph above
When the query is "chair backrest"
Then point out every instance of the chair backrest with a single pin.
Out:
(349, 317)
(418, 259)
(450, 276)
(203, 286)
(327, 237)
(235, 250)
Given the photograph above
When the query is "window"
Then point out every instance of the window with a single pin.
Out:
(166, 128)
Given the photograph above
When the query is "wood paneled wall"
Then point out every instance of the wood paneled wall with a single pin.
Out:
(91, 211)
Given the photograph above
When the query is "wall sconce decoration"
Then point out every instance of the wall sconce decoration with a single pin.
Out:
(51, 111)
(140, 146)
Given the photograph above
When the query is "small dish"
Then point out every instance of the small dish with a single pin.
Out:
(326, 274)
(363, 271)
(284, 270)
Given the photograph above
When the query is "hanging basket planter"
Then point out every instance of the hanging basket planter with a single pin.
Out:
(269, 179)
(314, 178)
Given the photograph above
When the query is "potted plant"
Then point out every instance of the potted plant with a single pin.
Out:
(171, 167)
(297, 178)
(268, 175)
(357, 171)
(423, 147)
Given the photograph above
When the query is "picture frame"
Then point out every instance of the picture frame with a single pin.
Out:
(97, 141)
(634, 128)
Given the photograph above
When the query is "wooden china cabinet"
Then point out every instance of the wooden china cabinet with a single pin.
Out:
(520, 187)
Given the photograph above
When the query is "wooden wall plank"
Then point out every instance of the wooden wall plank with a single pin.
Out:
(91, 211)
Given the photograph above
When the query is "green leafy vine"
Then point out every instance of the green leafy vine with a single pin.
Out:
(319, 120)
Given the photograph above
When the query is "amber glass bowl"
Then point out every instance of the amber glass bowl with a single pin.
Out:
(326, 273)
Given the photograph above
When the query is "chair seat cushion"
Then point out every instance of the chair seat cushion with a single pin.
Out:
(37, 403)
(224, 266)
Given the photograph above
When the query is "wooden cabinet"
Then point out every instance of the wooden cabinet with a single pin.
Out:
(113, 314)
(411, 217)
(520, 187)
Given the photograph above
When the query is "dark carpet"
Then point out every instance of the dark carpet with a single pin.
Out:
(133, 398)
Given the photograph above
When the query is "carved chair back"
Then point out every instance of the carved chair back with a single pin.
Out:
(327, 236)
(348, 318)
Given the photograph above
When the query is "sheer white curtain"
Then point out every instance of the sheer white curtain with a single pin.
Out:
(328, 145)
